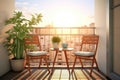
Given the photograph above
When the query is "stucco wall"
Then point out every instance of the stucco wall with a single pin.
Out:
(6, 10)
(101, 23)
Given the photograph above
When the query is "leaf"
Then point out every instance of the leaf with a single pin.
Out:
(19, 32)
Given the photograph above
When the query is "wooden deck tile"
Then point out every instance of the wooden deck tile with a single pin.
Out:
(58, 74)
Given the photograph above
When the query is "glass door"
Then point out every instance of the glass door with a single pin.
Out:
(114, 38)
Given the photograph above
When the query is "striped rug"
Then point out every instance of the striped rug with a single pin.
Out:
(59, 74)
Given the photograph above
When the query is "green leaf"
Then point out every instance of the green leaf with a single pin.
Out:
(19, 32)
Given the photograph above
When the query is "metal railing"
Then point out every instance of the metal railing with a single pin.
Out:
(70, 35)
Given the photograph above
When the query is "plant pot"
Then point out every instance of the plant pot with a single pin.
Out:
(55, 45)
(17, 65)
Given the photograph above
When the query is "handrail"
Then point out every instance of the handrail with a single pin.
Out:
(71, 35)
(63, 30)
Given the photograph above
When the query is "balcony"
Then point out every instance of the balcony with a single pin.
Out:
(71, 35)
(107, 26)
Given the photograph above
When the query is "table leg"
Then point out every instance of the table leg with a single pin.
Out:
(66, 60)
(55, 58)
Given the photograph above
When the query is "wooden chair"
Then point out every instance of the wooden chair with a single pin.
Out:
(39, 54)
(87, 51)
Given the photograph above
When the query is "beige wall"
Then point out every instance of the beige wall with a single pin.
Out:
(6, 10)
(101, 23)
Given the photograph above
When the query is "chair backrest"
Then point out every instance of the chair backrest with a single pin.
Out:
(89, 43)
(33, 40)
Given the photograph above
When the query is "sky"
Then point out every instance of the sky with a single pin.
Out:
(59, 13)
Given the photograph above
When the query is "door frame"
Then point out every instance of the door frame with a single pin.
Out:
(110, 40)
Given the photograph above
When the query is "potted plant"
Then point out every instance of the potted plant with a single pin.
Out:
(16, 35)
(56, 40)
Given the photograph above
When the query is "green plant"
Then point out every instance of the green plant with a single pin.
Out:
(20, 31)
(56, 39)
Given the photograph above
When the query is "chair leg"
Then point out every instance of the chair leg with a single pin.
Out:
(74, 64)
(28, 62)
(92, 66)
(81, 62)
(96, 65)
(25, 62)
(40, 62)
(47, 64)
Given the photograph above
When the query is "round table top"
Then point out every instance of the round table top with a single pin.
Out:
(61, 49)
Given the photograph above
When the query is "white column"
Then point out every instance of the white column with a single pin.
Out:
(102, 23)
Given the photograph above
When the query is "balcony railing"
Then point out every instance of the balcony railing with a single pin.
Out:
(71, 35)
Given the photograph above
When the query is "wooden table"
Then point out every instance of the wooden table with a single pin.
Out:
(65, 53)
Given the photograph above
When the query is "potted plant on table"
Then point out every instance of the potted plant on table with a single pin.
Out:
(16, 35)
(56, 40)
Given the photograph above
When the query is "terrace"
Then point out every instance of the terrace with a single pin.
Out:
(71, 35)
(106, 26)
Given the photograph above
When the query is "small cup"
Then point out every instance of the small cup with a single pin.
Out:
(64, 45)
